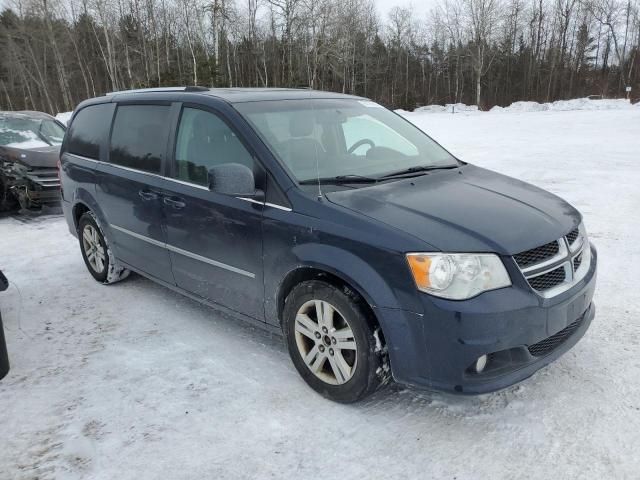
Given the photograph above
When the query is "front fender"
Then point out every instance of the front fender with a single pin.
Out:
(392, 291)
(351, 269)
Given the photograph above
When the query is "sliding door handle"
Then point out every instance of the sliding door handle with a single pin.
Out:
(147, 196)
(175, 202)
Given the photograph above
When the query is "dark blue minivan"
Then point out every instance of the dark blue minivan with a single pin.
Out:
(326, 217)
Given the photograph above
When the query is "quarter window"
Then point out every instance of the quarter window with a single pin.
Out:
(137, 137)
(88, 130)
(205, 140)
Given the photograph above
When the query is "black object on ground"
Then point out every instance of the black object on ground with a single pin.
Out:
(4, 356)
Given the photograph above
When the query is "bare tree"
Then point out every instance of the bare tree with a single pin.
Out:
(58, 52)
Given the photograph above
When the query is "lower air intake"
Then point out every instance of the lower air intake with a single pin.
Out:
(549, 344)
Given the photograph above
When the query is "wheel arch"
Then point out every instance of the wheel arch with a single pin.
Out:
(336, 278)
(305, 273)
(83, 202)
(78, 210)
(339, 268)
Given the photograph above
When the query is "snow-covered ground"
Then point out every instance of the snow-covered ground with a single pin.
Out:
(132, 381)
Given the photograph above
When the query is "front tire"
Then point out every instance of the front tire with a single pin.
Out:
(331, 341)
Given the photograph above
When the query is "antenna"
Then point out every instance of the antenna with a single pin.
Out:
(315, 146)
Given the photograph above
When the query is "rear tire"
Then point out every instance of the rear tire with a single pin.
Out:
(96, 252)
(331, 341)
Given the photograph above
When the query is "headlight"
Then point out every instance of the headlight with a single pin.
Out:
(457, 276)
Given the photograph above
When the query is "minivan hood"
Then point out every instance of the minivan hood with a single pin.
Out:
(468, 209)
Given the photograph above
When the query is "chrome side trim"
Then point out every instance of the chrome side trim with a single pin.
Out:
(186, 253)
(129, 169)
(188, 184)
(115, 165)
(250, 200)
(215, 263)
(139, 237)
(266, 204)
(87, 159)
(182, 182)
(279, 207)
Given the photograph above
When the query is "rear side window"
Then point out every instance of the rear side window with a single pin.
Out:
(138, 139)
(88, 130)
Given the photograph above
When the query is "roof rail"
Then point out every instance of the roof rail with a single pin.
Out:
(162, 89)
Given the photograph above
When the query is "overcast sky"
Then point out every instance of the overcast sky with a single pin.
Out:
(420, 7)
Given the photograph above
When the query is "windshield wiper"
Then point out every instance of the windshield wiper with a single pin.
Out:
(414, 171)
(42, 136)
(353, 178)
(338, 180)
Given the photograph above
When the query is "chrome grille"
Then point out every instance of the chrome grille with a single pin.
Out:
(553, 267)
(573, 235)
(44, 177)
(548, 280)
(577, 261)
(537, 255)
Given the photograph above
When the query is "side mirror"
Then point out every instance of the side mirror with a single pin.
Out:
(232, 179)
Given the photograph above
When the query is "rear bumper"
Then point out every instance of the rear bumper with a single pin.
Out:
(437, 350)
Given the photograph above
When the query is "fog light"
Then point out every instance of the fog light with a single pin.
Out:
(481, 363)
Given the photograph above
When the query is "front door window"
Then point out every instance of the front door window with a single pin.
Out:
(204, 141)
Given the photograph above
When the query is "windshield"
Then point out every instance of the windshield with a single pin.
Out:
(27, 132)
(328, 138)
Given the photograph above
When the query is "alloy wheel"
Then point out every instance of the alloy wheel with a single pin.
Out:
(326, 342)
(93, 248)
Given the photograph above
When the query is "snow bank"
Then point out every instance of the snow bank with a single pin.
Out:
(448, 108)
(559, 105)
(431, 109)
(64, 117)
(588, 104)
(522, 107)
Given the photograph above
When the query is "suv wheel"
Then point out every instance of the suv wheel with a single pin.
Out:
(96, 253)
(331, 342)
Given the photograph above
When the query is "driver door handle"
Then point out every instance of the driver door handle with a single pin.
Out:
(175, 202)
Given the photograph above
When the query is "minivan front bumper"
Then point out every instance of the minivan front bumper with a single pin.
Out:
(519, 331)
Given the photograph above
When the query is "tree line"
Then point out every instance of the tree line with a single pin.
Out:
(55, 53)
